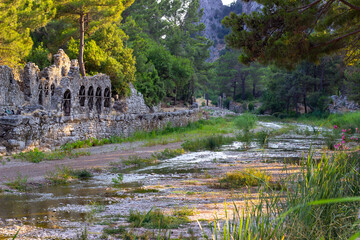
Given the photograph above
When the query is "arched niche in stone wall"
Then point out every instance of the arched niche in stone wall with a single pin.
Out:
(52, 88)
(67, 103)
(40, 99)
(107, 98)
(98, 100)
(91, 98)
(82, 96)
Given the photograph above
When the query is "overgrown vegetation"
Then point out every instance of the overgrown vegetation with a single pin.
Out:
(201, 128)
(20, 183)
(169, 153)
(209, 143)
(37, 156)
(155, 219)
(65, 175)
(248, 177)
(322, 201)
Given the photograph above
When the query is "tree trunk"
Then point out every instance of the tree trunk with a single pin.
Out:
(81, 48)
(234, 89)
(305, 102)
(322, 77)
(243, 87)
(254, 88)
(175, 100)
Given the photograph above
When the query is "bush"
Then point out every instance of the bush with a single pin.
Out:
(210, 143)
(248, 177)
(251, 107)
(155, 219)
(245, 121)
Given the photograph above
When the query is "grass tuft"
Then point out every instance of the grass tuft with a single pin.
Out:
(249, 177)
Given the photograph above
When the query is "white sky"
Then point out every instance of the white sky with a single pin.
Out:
(227, 2)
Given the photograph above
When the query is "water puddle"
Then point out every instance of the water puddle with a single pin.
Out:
(180, 181)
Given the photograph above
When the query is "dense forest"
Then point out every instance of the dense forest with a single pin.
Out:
(159, 46)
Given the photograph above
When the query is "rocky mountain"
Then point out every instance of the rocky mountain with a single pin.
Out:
(214, 12)
(250, 7)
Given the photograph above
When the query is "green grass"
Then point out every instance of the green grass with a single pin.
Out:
(201, 128)
(144, 190)
(208, 143)
(245, 121)
(248, 177)
(64, 175)
(20, 183)
(320, 202)
(139, 162)
(37, 156)
(169, 153)
(346, 120)
(155, 219)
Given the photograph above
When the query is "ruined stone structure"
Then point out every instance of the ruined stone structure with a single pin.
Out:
(51, 107)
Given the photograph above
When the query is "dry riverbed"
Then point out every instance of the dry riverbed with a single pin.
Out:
(189, 181)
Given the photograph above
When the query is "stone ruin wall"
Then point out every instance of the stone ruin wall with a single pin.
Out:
(54, 106)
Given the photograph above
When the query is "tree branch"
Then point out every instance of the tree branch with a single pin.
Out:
(337, 39)
(357, 8)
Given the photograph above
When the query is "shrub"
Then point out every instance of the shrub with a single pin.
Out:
(155, 219)
(169, 153)
(210, 143)
(248, 177)
(20, 183)
(262, 137)
(245, 121)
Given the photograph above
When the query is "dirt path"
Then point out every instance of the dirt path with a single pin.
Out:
(100, 157)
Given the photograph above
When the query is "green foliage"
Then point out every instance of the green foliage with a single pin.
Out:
(40, 56)
(287, 32)
(144, 190)
(322, 202)
(174, 65)
(62, 175)
(155, 219)
(118, 180)
(245, 121)
(346, 120)
(209, 143)
(249, 177)
(20, 183)
(262, 137)
(140, 162)
(17, 18)
(169, 153)
(82, 174)
(37, 156)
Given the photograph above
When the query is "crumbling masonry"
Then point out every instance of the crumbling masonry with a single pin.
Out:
(52, 107)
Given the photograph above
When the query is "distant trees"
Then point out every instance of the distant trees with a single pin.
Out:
(169, 48)
(17, 19)
(88, 16)
(287, 32)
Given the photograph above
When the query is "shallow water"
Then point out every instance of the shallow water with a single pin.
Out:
(61, 207)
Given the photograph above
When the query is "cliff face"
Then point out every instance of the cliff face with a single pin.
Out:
(250, 7)
(214, 12)
(212, 19)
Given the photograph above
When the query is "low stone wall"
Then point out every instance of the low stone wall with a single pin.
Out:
(43, 130)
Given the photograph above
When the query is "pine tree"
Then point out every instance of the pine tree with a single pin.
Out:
(88, 16)
(17, 18)
(288, 31)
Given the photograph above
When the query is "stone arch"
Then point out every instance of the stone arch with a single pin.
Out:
(67, 103)
(98, 102)
(40, 100)
(46, 88)
(91, 98)
(82, 96)
(107, 99)
(52, 88)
